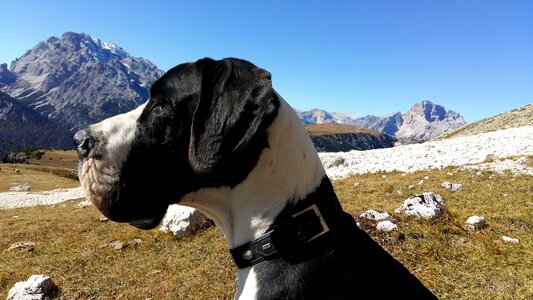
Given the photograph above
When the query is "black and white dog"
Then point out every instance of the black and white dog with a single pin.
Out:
(217, 137)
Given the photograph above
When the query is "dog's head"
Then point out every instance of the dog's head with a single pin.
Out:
(203, 126)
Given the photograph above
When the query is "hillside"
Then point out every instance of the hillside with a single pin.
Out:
(332, 137)
(519, 117)
(21, 127)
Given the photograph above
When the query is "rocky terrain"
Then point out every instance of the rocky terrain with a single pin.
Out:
(77, 80)
(519, 117)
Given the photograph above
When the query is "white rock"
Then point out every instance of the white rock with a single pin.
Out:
(182, 221)
(410, 187)
(510, 240)
(476, 223)
(356, 185)
(375, 215)
(85, 203)
(37, 287)
(421, 182)
(427, 205)
(20, 188)
(386, 226)
(455, 187)
(426, 177)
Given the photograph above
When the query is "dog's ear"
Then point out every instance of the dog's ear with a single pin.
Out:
(236, 102)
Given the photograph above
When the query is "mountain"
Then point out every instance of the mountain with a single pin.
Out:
(320, 116)
(333, 137)
(6, 77)
(515, 118)
(77, 80)
(22, 127)
(422, 122)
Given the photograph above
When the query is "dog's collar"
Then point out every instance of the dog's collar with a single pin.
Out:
(298, 229)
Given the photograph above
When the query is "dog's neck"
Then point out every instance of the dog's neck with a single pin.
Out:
(285, 173)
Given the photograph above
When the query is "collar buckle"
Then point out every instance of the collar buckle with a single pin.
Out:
(314, 208)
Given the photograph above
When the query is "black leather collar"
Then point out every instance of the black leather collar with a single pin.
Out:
(298, 228)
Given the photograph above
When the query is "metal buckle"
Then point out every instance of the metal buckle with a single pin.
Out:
(325, 227)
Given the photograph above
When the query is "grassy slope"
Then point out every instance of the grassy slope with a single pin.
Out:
(333, 128)
(454, 263)
(55, 169)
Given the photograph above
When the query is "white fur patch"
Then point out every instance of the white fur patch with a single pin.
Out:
(288, 170)
(115, 136)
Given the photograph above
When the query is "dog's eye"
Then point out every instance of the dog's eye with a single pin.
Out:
(158, 108)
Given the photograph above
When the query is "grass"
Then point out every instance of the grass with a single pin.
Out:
(71, 244)
(333, 128)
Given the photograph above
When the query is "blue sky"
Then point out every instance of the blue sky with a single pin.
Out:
(365, 57)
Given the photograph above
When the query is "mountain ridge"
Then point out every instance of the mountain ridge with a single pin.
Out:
(423, 121)
(78, 80)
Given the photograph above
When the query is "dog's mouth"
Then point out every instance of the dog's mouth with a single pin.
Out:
(110, 196)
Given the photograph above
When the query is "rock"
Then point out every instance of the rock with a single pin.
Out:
(475, 223)
(28, 246)
(455, 187)
(375, 215)
(117, 245)
(103, 219)
(410, 187)
(426, 205)
(20, 188)
(421, 182)
(182, 221)
(136, 242)
(37, 287)
(426, 177)
(386, 226)
(510, 240)
(356, 185)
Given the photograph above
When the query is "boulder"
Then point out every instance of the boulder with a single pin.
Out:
(455, 187)
(182, 221)
(475, 223)
(37, 287)
(427, 205)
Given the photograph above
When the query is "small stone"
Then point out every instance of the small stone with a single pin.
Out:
(410, 187)
(182, 221)
(475, 223)
(21, 188)
(136, 242)
(356, 185)
(386, 226)
(28, 246)
(103, 219)
(454, 187)
(375, 215)
(426, 177)
(384, 176)
(420, 182)
(510, 240)
(117, 245)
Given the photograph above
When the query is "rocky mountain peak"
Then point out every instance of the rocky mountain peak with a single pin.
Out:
(78, 80)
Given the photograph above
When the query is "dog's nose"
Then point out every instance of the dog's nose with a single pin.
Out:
(84, 142)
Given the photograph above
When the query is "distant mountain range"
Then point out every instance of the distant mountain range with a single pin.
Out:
(422, 122)
(67, 83)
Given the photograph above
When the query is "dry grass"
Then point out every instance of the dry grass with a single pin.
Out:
(333, 128)
(41, 178)
(452, 262)
(66, 159)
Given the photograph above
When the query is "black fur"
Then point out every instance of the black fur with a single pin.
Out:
(343, 264)
(178, 147)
